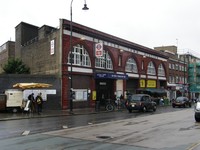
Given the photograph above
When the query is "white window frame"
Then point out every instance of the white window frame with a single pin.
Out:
(104, 61)
(151, 69)
(131, 66)
(80, 56)
(161, 70)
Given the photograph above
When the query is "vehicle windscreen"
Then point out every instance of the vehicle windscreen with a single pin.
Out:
(134, 98)
(180, 99)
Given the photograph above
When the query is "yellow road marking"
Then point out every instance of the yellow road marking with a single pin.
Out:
(193, 146)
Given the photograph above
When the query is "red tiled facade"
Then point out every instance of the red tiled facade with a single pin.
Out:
(115, 51)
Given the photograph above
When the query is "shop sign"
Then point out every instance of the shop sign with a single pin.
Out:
(102, 83)
(52, 50)
(99, 49)
(151, 83)
(142, 83)
(94, 95)
(111, 76)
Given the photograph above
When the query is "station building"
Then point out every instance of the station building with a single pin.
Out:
(102, 67)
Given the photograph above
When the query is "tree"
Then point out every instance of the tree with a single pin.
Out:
(16, 66)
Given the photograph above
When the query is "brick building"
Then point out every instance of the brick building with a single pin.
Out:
(123, 67)
(7, 50)
(178, 71)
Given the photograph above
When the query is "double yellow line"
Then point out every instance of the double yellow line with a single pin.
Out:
(193, 146)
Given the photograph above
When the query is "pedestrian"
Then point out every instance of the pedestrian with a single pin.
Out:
(161, 101)
(39, 102)
(32, 102)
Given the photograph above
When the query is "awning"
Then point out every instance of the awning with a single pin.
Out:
(171, 84)
(153, 90)
(31, 85)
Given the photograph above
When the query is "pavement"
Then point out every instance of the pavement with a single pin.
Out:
(47, 113)
(52, 113)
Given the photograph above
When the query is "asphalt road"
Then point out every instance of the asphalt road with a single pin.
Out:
(15, 128)
(163, 130)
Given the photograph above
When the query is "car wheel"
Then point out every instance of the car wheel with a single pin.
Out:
(190, 105)
(130, 110)
(14, 110)
(154, 108)
(197, 119)
(144, 109)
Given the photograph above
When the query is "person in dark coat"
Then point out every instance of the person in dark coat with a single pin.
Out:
(32, 102)
(39, 102)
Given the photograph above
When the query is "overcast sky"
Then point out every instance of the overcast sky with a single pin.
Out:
(150, 23)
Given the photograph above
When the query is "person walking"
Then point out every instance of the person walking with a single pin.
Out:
(39, 102)
(32, 102)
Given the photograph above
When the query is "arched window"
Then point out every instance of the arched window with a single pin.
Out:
(80, 56)
(151, 69)
(161, 71)
(131, 66)
(104, 61)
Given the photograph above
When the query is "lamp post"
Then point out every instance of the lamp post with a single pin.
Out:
(71, 55)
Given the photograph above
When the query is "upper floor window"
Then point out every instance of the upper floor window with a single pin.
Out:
(177, 79)
(170, 65)
(131, 66)
(161, 71)
(180, 67)
(80, 56)
(177, 67)
(151, 69)
(184, 68)
(104, 61)
(170, 79)
(173, 66)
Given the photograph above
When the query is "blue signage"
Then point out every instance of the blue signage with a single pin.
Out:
(111, 76)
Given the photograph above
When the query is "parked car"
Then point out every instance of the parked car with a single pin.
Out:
(181, 102)
(140, 102)
(197, 111)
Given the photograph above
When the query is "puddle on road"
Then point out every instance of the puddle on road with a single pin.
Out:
(132, 123)
(104, 137)
(190, 128)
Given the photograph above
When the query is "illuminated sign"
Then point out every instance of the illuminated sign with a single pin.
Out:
(142, 83)
(111, 76)
(151, 83)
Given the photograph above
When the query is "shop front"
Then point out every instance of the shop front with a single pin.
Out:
(150, 87)
(108, 86)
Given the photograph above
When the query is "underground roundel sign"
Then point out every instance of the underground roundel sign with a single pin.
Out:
(99, 49)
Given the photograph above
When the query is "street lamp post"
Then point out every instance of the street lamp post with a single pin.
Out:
(71, 54)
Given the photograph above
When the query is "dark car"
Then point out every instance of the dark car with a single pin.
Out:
(141, 102)
(181, 102)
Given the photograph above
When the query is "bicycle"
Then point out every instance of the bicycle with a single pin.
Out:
(109, 105)
(120, 104)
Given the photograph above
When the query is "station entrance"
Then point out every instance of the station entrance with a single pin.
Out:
(105, 90)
